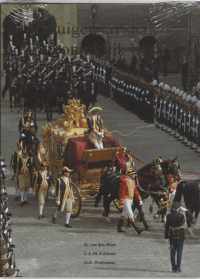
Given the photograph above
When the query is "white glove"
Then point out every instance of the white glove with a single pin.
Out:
(58, 202)
(140, 202)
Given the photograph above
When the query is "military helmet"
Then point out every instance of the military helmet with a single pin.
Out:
(166, 87)
(173, 89)
(154, 82)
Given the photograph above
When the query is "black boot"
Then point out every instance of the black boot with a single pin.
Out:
(97, 200)
(53, 219)
(145, 224)
(138, 230)
(120, 225)
(143, 219)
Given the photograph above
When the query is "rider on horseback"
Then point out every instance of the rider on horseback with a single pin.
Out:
(27, 123)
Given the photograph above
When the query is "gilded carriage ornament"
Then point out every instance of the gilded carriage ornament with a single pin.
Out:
(66, 143)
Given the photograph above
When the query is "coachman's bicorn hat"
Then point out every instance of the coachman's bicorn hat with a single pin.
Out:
(66, 169)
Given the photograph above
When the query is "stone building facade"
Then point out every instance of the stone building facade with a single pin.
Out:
(122, 28)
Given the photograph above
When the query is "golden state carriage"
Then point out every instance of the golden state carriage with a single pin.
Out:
(66, 142)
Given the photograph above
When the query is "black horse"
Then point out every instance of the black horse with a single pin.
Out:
(190, 191)
(154, 183)
(152, 180)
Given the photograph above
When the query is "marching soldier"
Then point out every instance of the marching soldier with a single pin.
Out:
(23, 173)
(127, 161)
(126, 195)
(64, 197)
(14, 165)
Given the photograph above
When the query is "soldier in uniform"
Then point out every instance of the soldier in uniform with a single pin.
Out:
(197, 126)
(41, 187)
(64, 197)
(180, 118)
(12, 91)
(8, 78)
(14, 165)
(176, 113)
(50, 98)
(188, 121)
(27, 125)
(126, 195)
(23, 173)
(160, 110)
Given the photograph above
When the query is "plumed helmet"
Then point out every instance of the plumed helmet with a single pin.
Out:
(2, 163)
(154, 82)
(166, 87)
(176, 91)
(191, 99)
(184, 96)
(181, 93)
(161, 84)
(187, 98)
(173, 89)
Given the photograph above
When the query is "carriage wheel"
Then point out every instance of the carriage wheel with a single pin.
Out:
(77, 203)
(116, 204)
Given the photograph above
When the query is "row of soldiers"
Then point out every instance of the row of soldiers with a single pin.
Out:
(172, 109)
(132, 94)
(178, 113)
(42, 76)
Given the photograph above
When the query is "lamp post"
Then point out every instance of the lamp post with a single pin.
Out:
(189, 51)
(93, 16)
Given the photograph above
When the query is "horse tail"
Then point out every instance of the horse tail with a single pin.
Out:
(179, 192)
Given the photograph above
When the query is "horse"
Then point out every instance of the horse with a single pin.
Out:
(166, 167)
(190, 191)
(152, 181)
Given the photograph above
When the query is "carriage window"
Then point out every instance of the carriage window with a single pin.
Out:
(60, 151)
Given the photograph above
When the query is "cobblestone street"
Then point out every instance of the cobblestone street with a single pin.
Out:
(93, 247)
